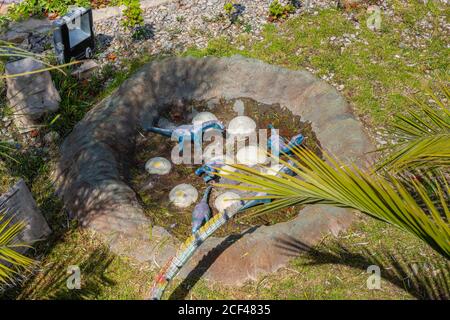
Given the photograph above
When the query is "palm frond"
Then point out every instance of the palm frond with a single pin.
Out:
(11, 261)
(333, 183)
(423, 135)
(9, 50)
(426, 153)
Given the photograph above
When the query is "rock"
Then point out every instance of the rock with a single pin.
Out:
(51, 137)
(15, 37)
(30, 34)
(32, 25)
(85, 69)
(95, 156)
(31, 96)
(18, 203)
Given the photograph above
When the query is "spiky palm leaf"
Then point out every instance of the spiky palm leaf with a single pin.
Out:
(424, 136)
(11, 261)
(9, 50)
(333, 183)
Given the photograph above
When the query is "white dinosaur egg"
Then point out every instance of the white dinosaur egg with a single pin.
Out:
(227, 200)
(158, 165)
(203, 117)
(183, 195)
(251, 155)
(241, 126)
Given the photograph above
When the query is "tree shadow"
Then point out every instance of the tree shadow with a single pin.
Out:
(144, 32)
(53, 282)
(103, 42)
(182, 290)
(426, 281)
(238, 11)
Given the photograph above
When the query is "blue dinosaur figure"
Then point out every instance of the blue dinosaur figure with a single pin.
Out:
(284, 147)
(208, 170)
(287, 170)
(257, 202)
(202, 212)
(188, 131)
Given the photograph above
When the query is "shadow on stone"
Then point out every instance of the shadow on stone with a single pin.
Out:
(203, 265)
(103, 42)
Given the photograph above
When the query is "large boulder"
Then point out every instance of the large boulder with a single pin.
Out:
(31, 96)
(19, 204)
(95, 158)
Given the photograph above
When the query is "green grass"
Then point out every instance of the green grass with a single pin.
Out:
(335, 269)
(377, 69)
(375, 82)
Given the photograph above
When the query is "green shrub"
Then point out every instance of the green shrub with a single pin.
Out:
(228, 8)
(28, 8)
(279, 11)
(132, 15)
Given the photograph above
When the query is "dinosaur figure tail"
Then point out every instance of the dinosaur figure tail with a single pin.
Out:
(161, 131)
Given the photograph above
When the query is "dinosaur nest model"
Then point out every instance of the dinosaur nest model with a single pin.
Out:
(98, 180)
(154, 190)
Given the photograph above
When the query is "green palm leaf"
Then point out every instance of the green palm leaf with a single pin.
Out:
(424, 136)
(9, 50)
(428, 152)
(333, 183)
(11, 261)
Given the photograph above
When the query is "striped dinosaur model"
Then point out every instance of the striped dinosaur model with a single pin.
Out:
(188, 131)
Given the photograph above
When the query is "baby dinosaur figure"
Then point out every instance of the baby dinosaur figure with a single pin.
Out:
(283, 147)
(208, 170)
(202, 212)
(188, 131)
(257, 202)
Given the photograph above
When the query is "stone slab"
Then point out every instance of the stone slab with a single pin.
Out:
(19, 204)
(31, 96)
(96, 154)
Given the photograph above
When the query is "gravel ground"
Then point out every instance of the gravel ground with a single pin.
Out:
(179, 24)
(183, 23)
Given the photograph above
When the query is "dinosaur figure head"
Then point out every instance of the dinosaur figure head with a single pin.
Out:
(297, 140)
